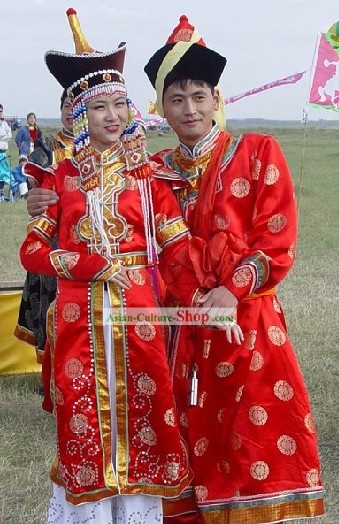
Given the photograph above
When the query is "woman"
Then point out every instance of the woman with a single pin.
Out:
(107, 383)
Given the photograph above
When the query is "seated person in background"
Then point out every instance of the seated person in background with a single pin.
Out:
(19, 186)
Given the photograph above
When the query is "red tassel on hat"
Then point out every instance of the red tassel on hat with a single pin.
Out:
(183, 32)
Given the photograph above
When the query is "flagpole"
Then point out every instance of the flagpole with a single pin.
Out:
(302, 170)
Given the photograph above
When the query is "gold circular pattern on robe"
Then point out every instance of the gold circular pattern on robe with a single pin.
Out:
(71, 312)
(259, 470)
(222, 222)
(257, 361)
(201, 493)
(309, 423)
(238, 394)
(283, 390)
(146, 385)
(71, 183)
(201, 446)
(74, 368)
(79, 423)
(286, 445)
(250, 339)
(272, 175)
(312, 477)
(145, 331)
(169, 417)
(277, 223)
(256, 169)
(240, 187)
(242, 277)
(258, 415)
(236, 441)
(276, 335)
(148, 436)
(224, 369)
(33, 247)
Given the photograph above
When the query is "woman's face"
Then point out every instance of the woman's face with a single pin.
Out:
(107, 119)
(31, 119)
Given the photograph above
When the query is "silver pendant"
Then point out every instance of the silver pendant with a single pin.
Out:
(193, 396)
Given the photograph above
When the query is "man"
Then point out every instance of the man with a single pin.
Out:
(5, 136)
(39, 290)
(252, 441)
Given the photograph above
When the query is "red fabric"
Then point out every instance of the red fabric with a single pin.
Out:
(214, 259)
(33, 133)
(208, 188)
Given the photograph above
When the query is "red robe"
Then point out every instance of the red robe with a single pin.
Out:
(150, 456)
(252, 441)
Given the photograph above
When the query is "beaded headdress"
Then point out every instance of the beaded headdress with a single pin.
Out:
(185, 56)
(86, 74)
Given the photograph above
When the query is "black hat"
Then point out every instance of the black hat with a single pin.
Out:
(184, 56)
(86, 68)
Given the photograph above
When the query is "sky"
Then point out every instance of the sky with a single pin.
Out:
(263, 40)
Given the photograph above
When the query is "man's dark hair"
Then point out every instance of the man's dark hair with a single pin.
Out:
(183, 82)
(1, 106)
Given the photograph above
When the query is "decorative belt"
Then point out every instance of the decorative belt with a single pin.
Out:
(133, 260)
(271, 291)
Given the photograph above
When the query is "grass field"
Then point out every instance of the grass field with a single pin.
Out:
(310, 296)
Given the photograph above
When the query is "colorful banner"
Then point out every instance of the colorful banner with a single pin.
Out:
(276, 83)
(324, 90)
(151, 108)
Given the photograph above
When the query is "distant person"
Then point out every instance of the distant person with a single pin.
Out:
(51, 149)
(18, 185)
(28, 136)
(142, 131)
(5, 136)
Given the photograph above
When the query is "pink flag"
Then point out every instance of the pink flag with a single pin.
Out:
(324, 90)
(276, 83)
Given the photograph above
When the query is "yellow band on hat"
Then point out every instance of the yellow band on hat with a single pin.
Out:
(170, 60)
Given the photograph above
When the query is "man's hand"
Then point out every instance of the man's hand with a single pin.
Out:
(38, 200)
(220, 299)
(220, 304)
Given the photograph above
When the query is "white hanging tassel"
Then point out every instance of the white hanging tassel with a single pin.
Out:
(95, 212)
(149, 224)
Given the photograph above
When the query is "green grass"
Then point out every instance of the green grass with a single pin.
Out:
(310, 297)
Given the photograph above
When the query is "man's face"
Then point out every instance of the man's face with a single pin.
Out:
(66, 115)
(190, 111)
